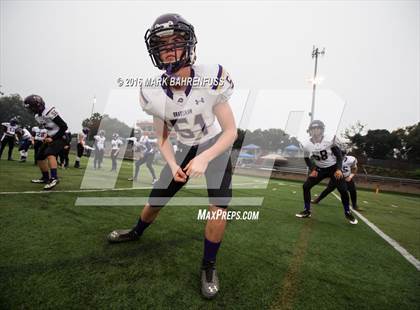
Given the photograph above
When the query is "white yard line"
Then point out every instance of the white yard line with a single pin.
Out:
(410, 258)
(108, 189)
(174, 201)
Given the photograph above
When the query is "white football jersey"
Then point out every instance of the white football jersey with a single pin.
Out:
(10, 130)
(100, 142)
(26, 134)
(116, 144)
(348, 163)
(138, 145)
(46, 119)
(321, 152)
(40, 134)
(190, 112)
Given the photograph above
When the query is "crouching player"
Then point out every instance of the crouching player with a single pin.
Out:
(203, 142)
(25, 141)
(349, 171)
(146, 154)
(324, 160)
(49, 118)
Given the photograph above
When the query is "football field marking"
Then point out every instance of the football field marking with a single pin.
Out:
(410, 258)
(290, 284)
(173, 201)
(108, 189)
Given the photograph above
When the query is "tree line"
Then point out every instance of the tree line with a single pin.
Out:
(400, 144)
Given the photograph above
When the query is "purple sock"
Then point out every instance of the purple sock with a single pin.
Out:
(308, 206)
(53, 173)
(141, 227)
(210, 250)
(45, 175)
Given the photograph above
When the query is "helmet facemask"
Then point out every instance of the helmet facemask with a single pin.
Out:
(157, 42)
(316, 129)
(316, 132)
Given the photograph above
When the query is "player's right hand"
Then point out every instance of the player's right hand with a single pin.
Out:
(313, 174)
(338, 174)
(178, 174)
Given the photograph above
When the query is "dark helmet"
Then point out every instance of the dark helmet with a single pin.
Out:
(34, 103)
(13, 121)
(85, 130)
(19, 131)
(316, 124)
(166, 25)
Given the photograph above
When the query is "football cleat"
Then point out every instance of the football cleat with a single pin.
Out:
(41, 180)
(315, 201)
(51, 184)
(303, 214)
(122, 235)
(209, 280)
(154, 181)
(132, 179)
(352, 220)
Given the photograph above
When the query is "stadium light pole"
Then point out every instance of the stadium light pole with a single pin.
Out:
(315, 53)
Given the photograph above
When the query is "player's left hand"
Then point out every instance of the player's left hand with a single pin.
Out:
(338, 174)
(48, 140)
(196, 167)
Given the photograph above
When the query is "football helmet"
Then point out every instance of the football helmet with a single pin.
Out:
(316, 124)
(167, 25)
(85, 130)
(102, 133)
(34, 103)
(115, 136)
(19, 131)
(13, 121)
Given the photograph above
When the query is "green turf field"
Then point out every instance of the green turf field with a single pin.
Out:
(54, 254)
